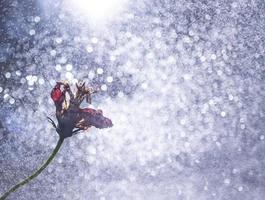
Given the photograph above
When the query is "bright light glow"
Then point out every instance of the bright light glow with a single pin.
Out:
(96, 10)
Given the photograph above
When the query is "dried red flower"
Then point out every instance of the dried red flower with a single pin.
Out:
(71, 118)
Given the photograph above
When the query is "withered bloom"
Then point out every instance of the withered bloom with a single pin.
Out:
(71, 119)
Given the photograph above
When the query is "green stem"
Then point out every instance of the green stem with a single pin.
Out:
(35, 174)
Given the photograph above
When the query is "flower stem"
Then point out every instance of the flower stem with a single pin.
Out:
(35, 174)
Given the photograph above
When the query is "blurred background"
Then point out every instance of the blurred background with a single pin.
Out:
(182, 81)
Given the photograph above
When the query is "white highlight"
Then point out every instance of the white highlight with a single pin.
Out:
(96, 10)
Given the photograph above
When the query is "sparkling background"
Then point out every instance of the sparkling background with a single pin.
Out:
(183, 82)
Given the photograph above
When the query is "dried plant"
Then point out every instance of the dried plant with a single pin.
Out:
(71, 120)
